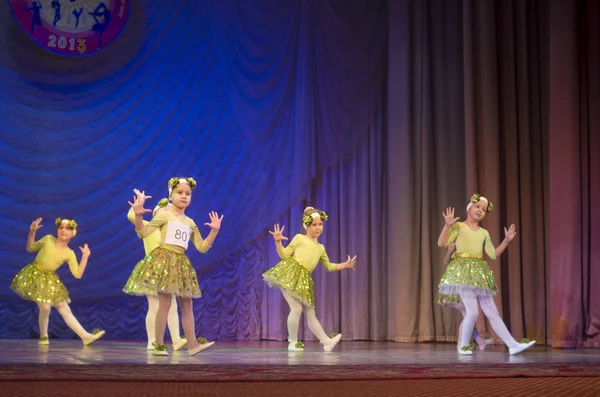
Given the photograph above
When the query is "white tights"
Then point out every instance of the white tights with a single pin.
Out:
(172, 319)
(293, 322)
(491, 312)
(463, 311)
(65, 311)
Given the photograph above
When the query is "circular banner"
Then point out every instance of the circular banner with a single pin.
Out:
(71, 27)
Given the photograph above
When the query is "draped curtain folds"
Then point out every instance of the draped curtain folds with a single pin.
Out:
(425, 161)
(504, 97)
(256, 100)
(574, 145)
(304, 77)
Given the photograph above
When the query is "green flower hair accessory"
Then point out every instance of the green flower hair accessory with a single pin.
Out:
(323, 215)
(163, 202)
(174, 182)
(477, 198)
(307, 219)
(72, 224)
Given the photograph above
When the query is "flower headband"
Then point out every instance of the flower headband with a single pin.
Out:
(307, 219)
(477, 198)
(71, 224)
(173, 182)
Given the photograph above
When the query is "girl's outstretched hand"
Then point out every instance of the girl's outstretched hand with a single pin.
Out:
(85, 250)
(138, 205)
(141, 194)
(511, 232)
(449, 216)
(35, 225)
(277, 233)
(350, 263)
(215, 221)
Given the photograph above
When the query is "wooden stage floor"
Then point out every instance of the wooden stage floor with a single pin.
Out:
(27, 351)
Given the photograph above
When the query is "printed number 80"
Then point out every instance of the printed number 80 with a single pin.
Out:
(179, 235)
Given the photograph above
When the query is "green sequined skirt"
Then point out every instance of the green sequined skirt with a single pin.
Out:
(471, 276)
(164, 271)
(36, 285)
(293, 277)
(448, 300)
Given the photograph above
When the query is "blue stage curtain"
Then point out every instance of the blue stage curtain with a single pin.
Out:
(254, 99)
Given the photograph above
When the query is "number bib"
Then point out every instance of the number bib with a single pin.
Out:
(178, 234)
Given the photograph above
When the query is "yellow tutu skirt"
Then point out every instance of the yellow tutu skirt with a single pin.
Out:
(164, 271)
(468, 275)
(293, 277)
(36, 285)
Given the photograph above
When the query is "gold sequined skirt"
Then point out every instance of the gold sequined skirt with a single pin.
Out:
(293, 277)
(468, 275)
(37, 285)
(164, 271)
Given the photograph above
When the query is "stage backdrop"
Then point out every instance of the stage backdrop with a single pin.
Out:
(382, 113)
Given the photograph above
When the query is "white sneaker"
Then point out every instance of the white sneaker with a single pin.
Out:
(150, 346)
(520, 347)
(158, 351)
(330, 344)
(199, 348)
(179, 344)
(93, 337)
(293, 348)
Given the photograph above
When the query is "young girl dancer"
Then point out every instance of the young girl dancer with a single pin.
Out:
(150, 244)
(293, 276)
(469, 276)
(454, 301)
(167, 270)
(39, 282)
